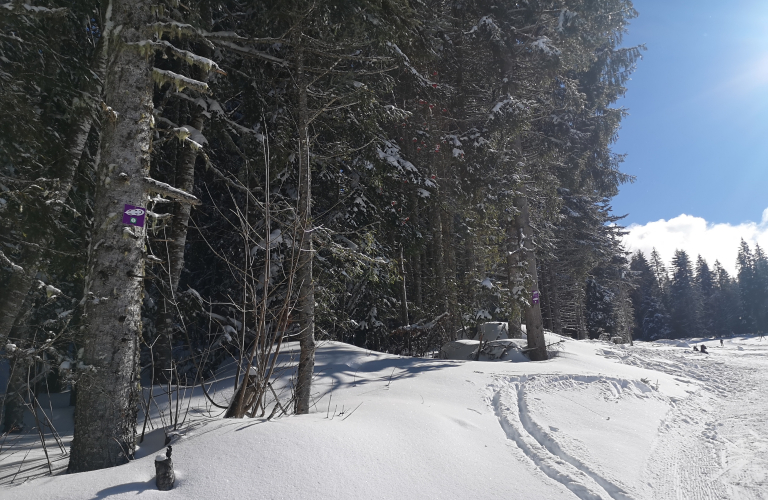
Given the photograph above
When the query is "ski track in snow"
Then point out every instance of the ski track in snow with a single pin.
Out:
(552, 456)
(712, 444)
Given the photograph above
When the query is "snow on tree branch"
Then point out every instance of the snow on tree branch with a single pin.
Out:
(146, 47)
(181, 82)
(168, 190)
(248, 51)
(20, 8)
(14, 267)
(180, 30)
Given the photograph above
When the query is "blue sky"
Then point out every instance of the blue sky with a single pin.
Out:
(697, 134)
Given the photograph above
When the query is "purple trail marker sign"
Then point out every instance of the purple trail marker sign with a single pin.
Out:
(535, 297)
(134, 216)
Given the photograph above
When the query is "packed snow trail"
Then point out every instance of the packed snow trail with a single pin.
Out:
(713, 444)
(709, 443)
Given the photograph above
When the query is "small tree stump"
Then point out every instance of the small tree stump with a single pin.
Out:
(165, 477)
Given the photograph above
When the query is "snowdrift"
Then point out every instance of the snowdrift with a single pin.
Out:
(599, 421)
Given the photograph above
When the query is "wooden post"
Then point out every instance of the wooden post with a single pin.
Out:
(165, 478)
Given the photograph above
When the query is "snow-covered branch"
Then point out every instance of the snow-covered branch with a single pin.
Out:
(146, 46)
(251, 52)
(25, 8)
(181, 82)
(168, 190)
(8, 262)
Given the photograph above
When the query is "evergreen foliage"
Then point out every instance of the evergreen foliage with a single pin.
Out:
(345, 170)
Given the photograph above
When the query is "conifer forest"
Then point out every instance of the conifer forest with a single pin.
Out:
(188, 182)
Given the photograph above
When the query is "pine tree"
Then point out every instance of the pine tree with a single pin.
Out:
(685, 306)
(726, 302)
(705, 291)
(761, 289)
(748, 287)
(651, 318)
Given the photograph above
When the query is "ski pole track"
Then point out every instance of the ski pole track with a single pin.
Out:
(509, 401)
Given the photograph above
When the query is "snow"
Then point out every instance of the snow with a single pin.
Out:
(596, 421)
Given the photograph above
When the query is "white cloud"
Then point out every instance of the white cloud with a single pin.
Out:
(697, 237)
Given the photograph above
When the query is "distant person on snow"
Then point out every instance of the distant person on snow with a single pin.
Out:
(695, 348)
(721, 342)
(704, 349)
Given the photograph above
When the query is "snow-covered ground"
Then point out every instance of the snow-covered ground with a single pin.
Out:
(598, 421)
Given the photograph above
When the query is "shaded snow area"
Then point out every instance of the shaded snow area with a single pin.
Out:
(597, 421)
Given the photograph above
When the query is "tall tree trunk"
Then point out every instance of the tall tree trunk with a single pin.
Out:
(15, 290)
(546, 297)
(420, 264)
(533, 324)
(306, 305)
(108, 391)
(438, 260)
(185, 180)
(556, 300)
(513, 278)
(403, 292)
(414, 263)
(449, 259)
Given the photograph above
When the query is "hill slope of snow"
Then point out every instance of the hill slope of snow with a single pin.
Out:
(598, 421)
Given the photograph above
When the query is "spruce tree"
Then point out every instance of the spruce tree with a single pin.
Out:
(651, 318)
(705, 290)
(685, 305)
(726, 302)
(748, 287)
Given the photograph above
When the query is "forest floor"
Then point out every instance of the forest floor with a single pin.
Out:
(597, 421)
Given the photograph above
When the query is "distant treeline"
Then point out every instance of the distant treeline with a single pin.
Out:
(692, 299)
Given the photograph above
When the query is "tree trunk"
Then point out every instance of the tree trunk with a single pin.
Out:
(14, 291)
(306, 305)
(556, 300)
(108, 391)
(415, 260)
(533, 323)
(449, 259)
(403, 292)
(546, 297)
(185, 180)
(438, 261)
(513, 278)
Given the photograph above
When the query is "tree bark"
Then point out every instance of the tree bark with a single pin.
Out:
(555, 300)
(438, 261)
(306, 305)
(108, 389)
(403, 292)
(533, 324)
(449, 259)
(513, 278)
(185, 180)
